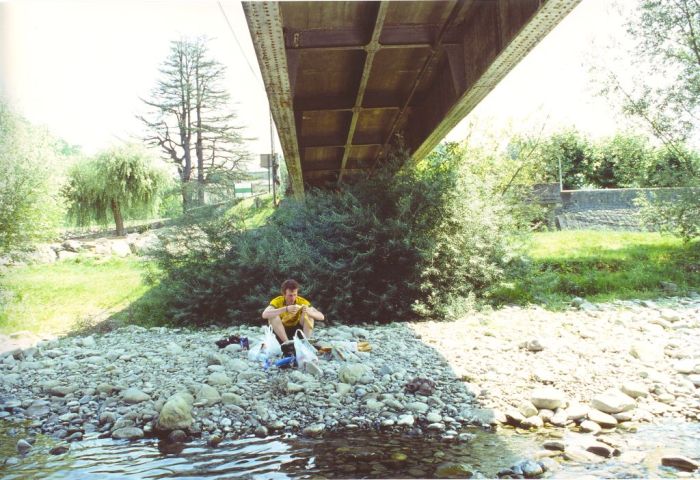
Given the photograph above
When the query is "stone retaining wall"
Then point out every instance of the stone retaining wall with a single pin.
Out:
(607, 209)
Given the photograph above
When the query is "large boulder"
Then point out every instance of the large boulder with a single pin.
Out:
(613, 401)
(176, 414)
(547, 397)
(351, 373)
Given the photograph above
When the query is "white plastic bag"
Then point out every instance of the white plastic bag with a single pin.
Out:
(271, 347)
(255, 352)
(305, 352)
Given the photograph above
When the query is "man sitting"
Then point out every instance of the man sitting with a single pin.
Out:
(289, 312)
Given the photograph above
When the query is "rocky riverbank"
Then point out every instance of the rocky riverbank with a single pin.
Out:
(591, 369)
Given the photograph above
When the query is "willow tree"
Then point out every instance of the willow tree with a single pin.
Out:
(119, 182)
(192, 123)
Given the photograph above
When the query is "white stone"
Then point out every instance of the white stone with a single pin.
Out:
(601, 418)
(120, 248)
(176, 414)
(647, 353)
(527, 409)
(634, 389)
(613, 401)
(407, 420)
(547, 397)
(134, 395)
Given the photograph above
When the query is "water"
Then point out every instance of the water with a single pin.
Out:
(357, 455)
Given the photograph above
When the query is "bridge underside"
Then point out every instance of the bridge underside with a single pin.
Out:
(346, 80)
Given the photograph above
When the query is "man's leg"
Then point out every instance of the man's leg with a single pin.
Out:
(278, 328)
(307, 324)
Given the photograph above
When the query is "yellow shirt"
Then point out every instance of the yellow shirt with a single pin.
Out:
(289, 319)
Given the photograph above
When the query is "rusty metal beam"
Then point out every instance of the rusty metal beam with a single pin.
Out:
(327, 172)
(399, 36)
(459, 7)
(337, 104)
(371, 49)
(550, 13)
(265, 25)
(320, 143)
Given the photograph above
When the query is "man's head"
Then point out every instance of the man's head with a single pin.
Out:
(290, 289)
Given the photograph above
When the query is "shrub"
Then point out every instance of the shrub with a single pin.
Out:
(399, 245)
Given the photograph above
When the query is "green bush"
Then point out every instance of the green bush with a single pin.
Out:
(30, 207)
(400, 245)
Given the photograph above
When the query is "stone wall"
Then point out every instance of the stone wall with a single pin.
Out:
(608, 209)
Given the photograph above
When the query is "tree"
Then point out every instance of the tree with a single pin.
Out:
(667, 51)
(117, 182)
(191, 115)
(30, 207)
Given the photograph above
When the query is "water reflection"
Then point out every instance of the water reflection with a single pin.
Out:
(368, 455)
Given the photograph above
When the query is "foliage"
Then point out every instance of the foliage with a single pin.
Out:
(621, 161)
(192, 123)
(400, 245)
(664, 96)
(30, 207)
(118, 182)
(679, 216)
(600, 266)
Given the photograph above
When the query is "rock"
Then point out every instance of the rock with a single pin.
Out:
(127, 433)
(351, 373)
(601, 449)
(527, 409)
(695, 379)
(534, 421)
(59, 449)
(547, 397)
(176, 413)
(23, 446)
(687, 366)
(647, 352)
(417, 407)
(208, 395)
(453, 470)
(534, 345)
(557, 445)
(120, 248)
(218, 378)
(407, 420)
(174, 349)
(342, 388)
(261, 431)
(134, 395)
(232, 399)
(177, 436)
(373, 405)
(531, 469)
(634, 389)
(601, 418)
(72, 246)
(579, 455)
(314, 430)
(589, 426)
(613, 401)
(576, 411)
(514, 416)
(681, 463)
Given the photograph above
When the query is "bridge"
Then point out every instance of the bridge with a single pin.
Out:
(347, 80)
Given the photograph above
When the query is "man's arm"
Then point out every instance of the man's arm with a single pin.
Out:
(272, 312)
(315, 314)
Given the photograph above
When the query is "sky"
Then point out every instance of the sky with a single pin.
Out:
(81, 67)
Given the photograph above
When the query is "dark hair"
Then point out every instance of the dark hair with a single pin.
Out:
(289, 284)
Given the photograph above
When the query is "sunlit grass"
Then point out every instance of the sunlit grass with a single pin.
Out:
(602, 266)
(54, 298)
(253, 216)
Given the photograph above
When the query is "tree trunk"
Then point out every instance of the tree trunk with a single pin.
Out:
(118, 220)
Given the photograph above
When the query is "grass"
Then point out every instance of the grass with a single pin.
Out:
(57, 298)
(602, 266)
(253, 216)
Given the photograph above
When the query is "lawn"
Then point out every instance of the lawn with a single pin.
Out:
(55, 298)
(602, 266)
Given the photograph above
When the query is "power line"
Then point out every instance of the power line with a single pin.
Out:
(240, 47)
